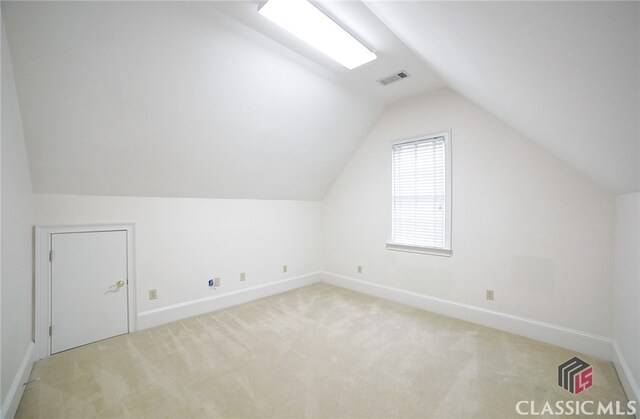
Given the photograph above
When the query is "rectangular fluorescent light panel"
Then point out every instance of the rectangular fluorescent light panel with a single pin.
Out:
(308, 23)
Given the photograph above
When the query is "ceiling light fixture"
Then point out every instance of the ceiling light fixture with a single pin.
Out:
(308, 23)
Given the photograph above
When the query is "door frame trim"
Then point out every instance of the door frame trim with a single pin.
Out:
(43, 277)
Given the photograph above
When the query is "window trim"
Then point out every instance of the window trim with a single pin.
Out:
(447, 249)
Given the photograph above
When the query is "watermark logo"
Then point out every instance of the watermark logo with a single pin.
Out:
(575, 375)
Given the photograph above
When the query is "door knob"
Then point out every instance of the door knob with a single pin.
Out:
(114, 287)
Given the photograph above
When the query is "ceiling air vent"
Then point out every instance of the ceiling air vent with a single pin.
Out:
(393, 78)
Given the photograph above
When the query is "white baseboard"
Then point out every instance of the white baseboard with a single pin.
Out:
(11, 402)
(167, 314)
(629, 383)
(578, 341)
(587, 343)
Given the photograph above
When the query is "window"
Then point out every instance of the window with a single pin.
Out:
(421, 195)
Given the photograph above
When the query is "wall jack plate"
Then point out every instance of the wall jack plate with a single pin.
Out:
(489, 295)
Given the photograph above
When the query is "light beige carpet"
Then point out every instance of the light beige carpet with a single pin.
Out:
(316, 352)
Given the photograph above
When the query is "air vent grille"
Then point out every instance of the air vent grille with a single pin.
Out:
(385, 81)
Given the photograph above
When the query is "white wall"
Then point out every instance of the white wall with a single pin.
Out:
(524, 223)
(626, 301)
(17, 231)
(181, 242)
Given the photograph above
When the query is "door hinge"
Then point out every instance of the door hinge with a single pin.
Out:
(50, 255)
(50, 329)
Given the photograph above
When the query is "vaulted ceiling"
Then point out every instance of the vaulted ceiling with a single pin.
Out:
(566, 74)
(205, 99)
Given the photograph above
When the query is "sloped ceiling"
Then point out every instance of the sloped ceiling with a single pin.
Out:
(206, 99)
(567, 74)
(180, 99)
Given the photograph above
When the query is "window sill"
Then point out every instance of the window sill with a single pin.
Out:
(417, 249)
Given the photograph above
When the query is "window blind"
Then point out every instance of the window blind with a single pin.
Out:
(419, 193)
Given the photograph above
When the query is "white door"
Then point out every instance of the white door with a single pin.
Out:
(88, 287)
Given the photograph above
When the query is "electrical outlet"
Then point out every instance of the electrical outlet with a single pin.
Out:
(211, 282)
(359, 269)
(216, 281)
(284, 269)
(153, 294)
(242, 276)
(489, 294)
